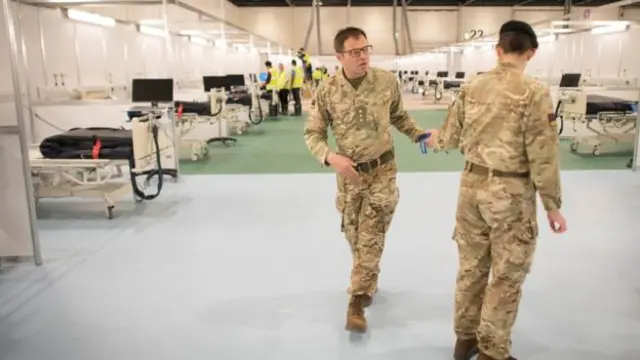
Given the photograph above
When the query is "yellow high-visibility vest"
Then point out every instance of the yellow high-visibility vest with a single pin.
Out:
(274, 79)
(298, 79)
(283, 79)
(306, 59)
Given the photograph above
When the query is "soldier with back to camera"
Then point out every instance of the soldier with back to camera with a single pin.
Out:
(504, 124)
(360, 104)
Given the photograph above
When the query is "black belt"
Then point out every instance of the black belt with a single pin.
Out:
(370, 165)
(483, 170)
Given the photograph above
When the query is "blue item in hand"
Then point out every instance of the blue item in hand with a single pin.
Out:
(422, 141)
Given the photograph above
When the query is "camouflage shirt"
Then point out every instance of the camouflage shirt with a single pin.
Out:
(505, 120)
(359, 118)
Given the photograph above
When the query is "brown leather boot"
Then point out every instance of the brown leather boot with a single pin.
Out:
(367, 299)
(356, 320)
(465, 349)
(483, 356)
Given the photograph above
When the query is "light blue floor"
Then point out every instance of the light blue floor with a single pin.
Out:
(254, 267)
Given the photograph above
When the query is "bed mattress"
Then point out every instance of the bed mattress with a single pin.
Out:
(84, 143)
(598, 103)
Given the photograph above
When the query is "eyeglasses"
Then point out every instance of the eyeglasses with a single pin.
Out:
(357, 52)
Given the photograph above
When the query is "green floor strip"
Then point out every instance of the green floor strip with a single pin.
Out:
(277, 147)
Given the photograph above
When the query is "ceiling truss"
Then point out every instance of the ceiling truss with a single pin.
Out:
(417, 3)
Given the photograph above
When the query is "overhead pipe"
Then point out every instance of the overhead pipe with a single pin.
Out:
(307, 37)
(406, 25)
(318, 32)
(433, 10)
(567, 7)
(395, 27)
(208, 15)
(618, 4)
(66, 3)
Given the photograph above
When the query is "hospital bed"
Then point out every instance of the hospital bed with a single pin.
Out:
(436, 86)
(89, 162)
(198, 129)
(606, 119)
(231, 104)
(421, 84)
(410, 82)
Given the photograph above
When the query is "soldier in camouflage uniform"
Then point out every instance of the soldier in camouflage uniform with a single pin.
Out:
(360, 104)
(504, 124)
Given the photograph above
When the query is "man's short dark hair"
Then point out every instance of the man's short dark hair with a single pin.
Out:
(268, 63)
(515, 43)
(517, 37)
(344, 34)
(294, 62)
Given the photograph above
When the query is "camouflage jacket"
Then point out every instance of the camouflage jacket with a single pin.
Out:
(359, 119)
(505, 120)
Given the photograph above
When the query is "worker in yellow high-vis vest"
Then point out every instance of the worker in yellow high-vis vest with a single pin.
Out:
(283, 85)
(317, 76)
(272, 76)
(270, 86)
(306, 64)
(297, 76)
(325, 73)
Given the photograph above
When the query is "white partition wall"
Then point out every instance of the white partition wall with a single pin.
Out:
(65, 56)
(18, 231)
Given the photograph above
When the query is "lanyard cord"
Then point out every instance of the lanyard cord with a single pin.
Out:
(422, 140)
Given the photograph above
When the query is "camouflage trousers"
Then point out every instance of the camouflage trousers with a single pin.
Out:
(366, 210)
(496, 232)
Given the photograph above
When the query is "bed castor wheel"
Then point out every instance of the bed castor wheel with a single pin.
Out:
(630, 163)
(596, 151)
(109, 211)
(228, 142)
(573, 147)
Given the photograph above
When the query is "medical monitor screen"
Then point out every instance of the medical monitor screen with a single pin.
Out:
(152, 90)
(263, 77)
(570, 80)
(442, 74)
(214, 82)
(236, 80)
(459, 75)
